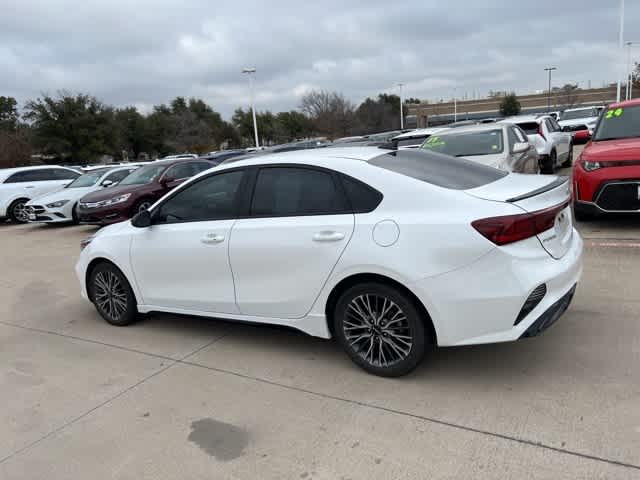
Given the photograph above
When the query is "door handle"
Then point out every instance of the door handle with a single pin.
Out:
(30, 186)
(328, 236)
(212, 238)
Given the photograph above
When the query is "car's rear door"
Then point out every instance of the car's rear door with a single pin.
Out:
(560, 139)
(299, 224)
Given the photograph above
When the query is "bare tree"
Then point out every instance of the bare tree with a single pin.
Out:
(567, 96)
(15, 151)
(330, 112)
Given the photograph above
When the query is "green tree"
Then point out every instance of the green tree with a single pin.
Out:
(292, 126)
(8, 114)
(133, 134)
(242, 120)
(510, 105)
(75, 127)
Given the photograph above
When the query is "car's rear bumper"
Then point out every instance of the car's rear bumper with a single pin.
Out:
(481, 303)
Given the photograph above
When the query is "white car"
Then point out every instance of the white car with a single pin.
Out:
(415, 138)
(580, 119)
(554, 147)
(388, 251)
(60, 206)
(21, 184)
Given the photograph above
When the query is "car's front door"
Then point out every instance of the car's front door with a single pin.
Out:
(182, 261)
(297, 229)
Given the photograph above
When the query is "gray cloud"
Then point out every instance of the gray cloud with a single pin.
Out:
(146, 52)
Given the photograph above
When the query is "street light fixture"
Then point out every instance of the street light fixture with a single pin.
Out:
(401, 112)
(549, 69)
(250, 72)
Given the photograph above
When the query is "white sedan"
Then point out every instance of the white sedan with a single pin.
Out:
(60, 205)
(388, 251)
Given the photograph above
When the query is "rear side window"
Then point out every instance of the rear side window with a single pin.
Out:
(30, 176)
(64, 174)
(362, 197)
(438, 169)
(530, 128)
(289, 191)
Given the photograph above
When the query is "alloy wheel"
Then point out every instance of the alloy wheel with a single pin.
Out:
(20, 212)
(110, 295)
(377, 329)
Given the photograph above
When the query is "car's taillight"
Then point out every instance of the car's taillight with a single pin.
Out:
(540, 132)
(513, 228)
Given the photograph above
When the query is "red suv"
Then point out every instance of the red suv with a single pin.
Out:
(606, 176)
(137, 191)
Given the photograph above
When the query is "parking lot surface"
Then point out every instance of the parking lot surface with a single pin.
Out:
(173, 397)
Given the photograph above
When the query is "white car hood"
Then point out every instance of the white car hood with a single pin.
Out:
(71, 194)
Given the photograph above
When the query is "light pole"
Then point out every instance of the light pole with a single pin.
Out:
(629, 90)
(620, 44)
(401, 112)
(549, 69)
(455, 106)
(250, 71)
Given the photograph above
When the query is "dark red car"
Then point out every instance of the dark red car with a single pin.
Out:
(606, 176)
(137, 191)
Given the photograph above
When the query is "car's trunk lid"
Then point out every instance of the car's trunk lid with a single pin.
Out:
(533, 193)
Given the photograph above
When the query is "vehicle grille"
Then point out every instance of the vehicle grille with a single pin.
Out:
(532, 302)
(620, 196)
(37, 209)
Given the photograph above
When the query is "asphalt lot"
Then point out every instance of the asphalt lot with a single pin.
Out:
(187, 398)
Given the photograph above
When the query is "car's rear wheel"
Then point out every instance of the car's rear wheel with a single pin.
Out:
(381, 329)
(111, 294)
(569, 161)
(18, 211)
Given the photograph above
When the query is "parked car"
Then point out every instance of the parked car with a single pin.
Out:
(606, 175)
(414, 138)
(554, 147)
(219, 157)
(332, 242)
(61, 205)
(179, 156)
(137, 191)
(500, 145)
(19, 185)
(580, 122)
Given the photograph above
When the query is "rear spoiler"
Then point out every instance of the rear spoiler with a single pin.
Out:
(556, 183)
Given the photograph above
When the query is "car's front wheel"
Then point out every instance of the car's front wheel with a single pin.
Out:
(111, 293)
(18, 211)
(381, 329)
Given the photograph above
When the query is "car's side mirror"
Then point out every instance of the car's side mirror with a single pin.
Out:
(107, 183)
(142, 219)
(520, 147)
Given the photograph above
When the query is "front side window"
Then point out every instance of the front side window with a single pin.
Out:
(621, 122)
(211, 198)
(287, 191)
(467, 144)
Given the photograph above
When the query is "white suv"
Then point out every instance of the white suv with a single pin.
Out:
(19, 185)
(554, 147)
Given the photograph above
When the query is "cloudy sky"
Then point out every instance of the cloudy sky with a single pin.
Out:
(145, 52)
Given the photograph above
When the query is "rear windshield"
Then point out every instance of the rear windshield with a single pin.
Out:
(438, 169)
(530, 128)
(582, 113)
(465, 144)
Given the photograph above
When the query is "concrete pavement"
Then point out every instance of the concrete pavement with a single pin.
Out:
(174, 397)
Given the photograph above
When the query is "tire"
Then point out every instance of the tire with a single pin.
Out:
(580, 214)
(17, 212)
(569, 161)
(553, 161)
(387, 346)
(111, 294)
(142, 204)
(74, 214)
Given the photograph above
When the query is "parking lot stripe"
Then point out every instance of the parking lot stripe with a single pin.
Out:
(614, 244)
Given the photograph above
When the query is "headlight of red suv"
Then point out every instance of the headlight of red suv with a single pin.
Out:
(591, 166)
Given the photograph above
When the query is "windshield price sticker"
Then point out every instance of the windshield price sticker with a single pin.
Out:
(614, 113)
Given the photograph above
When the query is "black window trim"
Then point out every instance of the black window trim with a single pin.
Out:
(237, 201)
(334, 176)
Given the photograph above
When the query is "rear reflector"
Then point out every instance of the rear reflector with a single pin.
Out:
(513, 228)
(540, 132)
